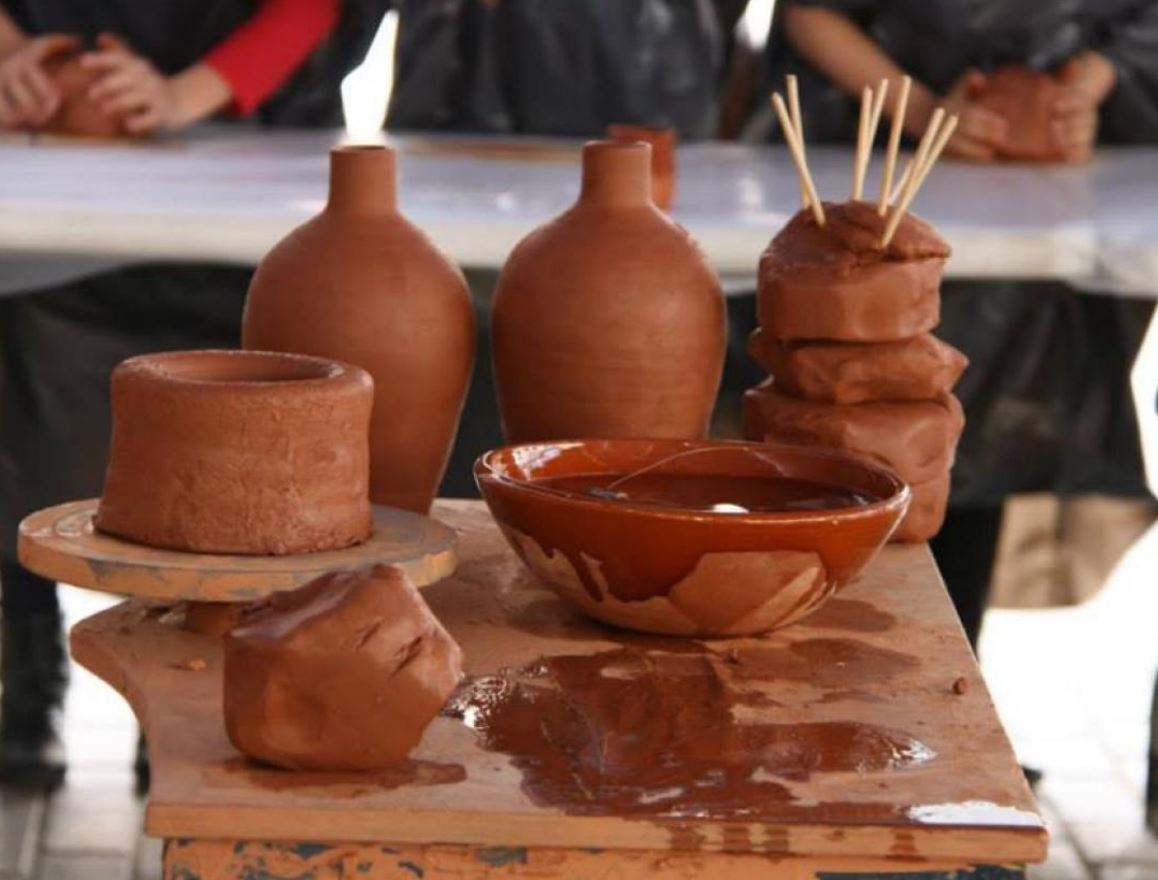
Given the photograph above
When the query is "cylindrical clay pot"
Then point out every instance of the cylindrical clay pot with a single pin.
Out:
(608, 321)
(360, 283)
(238, 452)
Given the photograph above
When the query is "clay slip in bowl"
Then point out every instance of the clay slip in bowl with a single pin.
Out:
(682, 571)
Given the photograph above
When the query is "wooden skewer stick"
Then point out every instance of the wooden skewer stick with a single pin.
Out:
(877, 104)
(798, 123)
(943, 136)
(793, 139)
(919, 174)
(894, 145)
(901, 183)
(860, 159)
(878, 107)
(923, 148)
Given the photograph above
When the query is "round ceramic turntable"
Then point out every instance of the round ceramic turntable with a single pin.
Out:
(60, 543)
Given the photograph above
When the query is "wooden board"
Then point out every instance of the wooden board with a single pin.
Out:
(60, 543)
(879, 661)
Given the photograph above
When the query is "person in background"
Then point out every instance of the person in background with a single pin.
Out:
(166, 66)
(1046, 397)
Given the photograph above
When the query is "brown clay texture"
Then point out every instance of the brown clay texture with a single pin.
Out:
(1025, 99)
(915, 438)
(608, 321)
(682, 570)
(238, 452)
(663, 157)
(838, 282)
(927, 511)
(843, 332)
(343, 674)
(921, 368)
(78, 115)
(362, 284)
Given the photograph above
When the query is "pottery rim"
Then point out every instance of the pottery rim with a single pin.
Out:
(242, 370)
(898, 498)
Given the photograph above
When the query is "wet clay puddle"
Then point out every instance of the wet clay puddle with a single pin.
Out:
(660, 735)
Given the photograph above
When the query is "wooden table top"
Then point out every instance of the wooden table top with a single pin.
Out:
(865, 730)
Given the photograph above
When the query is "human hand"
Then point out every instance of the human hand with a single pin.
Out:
(27, 96)
(1085, 82)
(980, 131)
(130, 87)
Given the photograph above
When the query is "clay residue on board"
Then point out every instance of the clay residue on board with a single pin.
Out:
(631, 733)
(340, 785)
(853, 615)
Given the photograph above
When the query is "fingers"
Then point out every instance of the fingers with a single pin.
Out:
(50, 44)
(119, 79)
(46, 95)
(974, 82)
(103, 60)
(983, 125)
(1076, 135)
(963, 146)
(144, 121)
(113, 43)
(25, 103)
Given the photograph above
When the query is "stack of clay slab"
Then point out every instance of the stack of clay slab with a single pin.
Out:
(844, 332)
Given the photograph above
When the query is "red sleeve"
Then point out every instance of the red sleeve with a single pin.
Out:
(262, 54)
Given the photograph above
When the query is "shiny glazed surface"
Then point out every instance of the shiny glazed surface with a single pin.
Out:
(671, 569)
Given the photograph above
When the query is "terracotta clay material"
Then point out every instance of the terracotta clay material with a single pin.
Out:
(927, 512)
(916, 438)
(78, 115)
(1025, 99)
(608, 321)
(360, 283)
(663, 157)
(921, 368)
(633, 532)
(238, 452)
(837, 282)
(343, 674)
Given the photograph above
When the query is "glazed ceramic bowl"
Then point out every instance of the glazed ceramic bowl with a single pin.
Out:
(705, 567)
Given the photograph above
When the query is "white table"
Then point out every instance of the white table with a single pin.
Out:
(68, 210)
(229, 196)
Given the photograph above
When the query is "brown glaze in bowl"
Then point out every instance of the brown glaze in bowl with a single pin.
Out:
(662, 559)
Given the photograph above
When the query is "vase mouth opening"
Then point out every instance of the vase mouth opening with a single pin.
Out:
(362, 148)
(624, 147)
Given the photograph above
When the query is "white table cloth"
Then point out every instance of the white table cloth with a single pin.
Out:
(229, 196)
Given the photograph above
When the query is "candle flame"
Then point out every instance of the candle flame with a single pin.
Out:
(366, 90)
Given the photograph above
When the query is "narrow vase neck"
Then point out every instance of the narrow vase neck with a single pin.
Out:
(362, 180)
(616, 174)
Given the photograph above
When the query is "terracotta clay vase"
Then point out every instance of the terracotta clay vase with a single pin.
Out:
(78, 115)
(362, 284)
(698, 538)
(608, 321)
(663, 165)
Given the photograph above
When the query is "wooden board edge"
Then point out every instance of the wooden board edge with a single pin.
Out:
(581, 832)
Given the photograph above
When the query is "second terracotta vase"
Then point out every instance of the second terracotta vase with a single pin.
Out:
(608, 321)
(361, 284)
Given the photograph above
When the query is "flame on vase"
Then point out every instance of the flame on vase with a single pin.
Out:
(366, 90)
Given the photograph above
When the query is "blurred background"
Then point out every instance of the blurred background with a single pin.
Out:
(151, 153)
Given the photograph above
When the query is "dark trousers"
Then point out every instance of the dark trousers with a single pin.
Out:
(57, 350)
